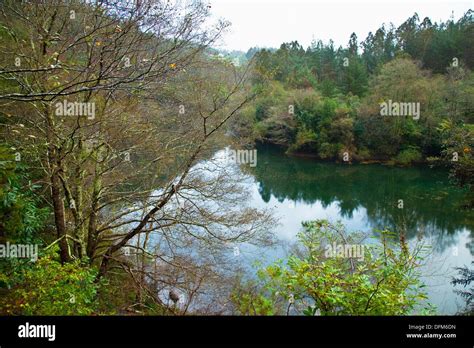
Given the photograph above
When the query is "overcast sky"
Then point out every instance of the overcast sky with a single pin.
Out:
(268, 23)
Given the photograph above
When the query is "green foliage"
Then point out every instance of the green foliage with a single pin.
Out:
(457, 154)
(332, 70)
(395, 65)
(356, 77)
(311, 281)
(408, 156)
(329, 126)
(45, 287)
(49, 288)
(329, 151)
(271, 119)
(249, 302)
(20, 216)
(401, 80)
(305, 141)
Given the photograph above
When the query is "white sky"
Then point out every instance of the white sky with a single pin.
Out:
(268, 23)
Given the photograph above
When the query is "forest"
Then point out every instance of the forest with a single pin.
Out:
(333, 94)
(112, 112)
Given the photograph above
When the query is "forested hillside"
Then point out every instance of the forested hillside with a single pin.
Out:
(325, 101)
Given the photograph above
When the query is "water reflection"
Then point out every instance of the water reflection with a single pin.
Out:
(366, 198)
(430, 203)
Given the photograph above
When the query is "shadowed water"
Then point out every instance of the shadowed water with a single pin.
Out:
(367, 198)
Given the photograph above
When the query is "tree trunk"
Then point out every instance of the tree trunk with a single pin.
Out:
(59, 217)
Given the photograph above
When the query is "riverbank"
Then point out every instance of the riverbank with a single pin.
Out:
(356, 159)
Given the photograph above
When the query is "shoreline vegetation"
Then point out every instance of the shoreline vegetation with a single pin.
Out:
(371, 161)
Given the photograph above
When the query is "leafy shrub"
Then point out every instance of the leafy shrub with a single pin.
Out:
(305, 141)
(329, 151)
(408, 156)
(50, 288)
(384, 282)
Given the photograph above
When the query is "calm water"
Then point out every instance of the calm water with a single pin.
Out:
(364, 198)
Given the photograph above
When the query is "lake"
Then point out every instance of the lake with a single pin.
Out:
(366, 198)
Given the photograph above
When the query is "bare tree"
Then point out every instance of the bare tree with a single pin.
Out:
(116, 103)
